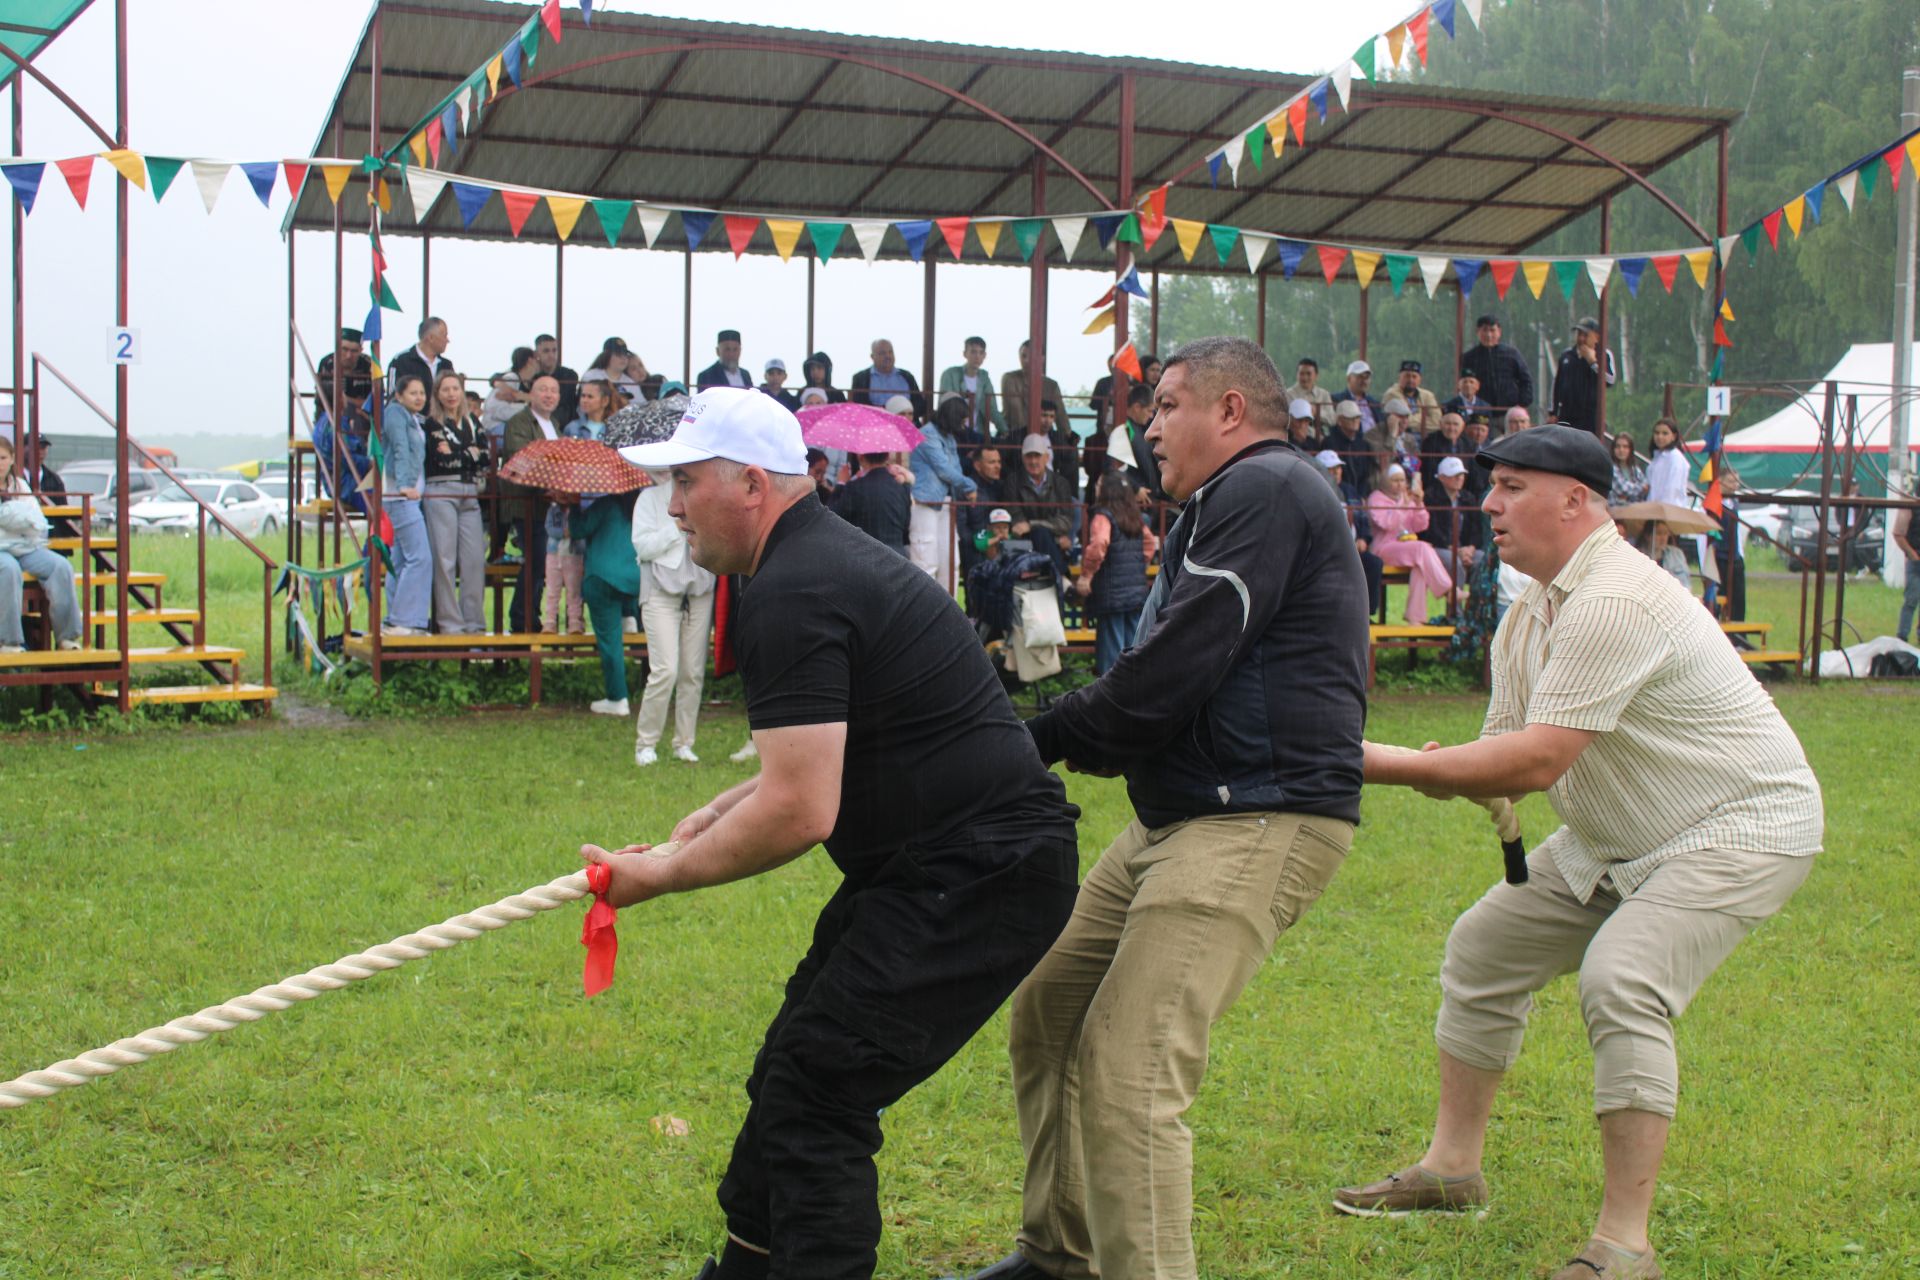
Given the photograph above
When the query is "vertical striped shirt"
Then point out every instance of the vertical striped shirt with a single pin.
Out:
(1691, 753)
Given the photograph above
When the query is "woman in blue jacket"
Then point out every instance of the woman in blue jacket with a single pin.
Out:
(403, 437)
(938, 482)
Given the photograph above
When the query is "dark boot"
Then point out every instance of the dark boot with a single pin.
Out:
(708, 1269)
(1012, 1267)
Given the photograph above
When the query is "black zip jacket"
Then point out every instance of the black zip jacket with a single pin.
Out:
(1246, 690)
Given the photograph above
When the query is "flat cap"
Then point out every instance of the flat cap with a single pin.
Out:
(1555, 447)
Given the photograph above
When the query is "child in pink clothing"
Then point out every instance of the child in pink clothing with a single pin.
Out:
(1398, 514)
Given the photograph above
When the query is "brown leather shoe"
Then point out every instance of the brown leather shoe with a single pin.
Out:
(1602, 1261)
(1413, 1190)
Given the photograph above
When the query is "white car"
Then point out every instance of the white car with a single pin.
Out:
(173, 509)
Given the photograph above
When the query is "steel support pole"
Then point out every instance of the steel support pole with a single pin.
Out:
(375, 565)
(812, 264)
(1119, 383)
(1363, 324)
(1459, 330)
(1153, 313)
(1260, 309)
(426, 277)
(1037, 304)
(1606, 246)
(560, 301)
(927, 310)
(1900, 428)
(686, 325)
(336, 506)
(122, 545)
(19, 286)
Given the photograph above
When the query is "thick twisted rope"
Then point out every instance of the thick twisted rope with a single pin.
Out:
(1505, 822)
(195, 1027)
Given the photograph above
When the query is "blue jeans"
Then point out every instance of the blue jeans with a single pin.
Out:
(1112, 636)
(410, 590)
(56, 579)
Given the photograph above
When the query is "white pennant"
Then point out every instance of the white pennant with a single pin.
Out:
(1847, 182)
(1256, 250)
(1599, 270)
(869, 234)
(423, 188)
(1473, 10)
(1431, 269)
(1343, 81)
(1726, 248)
(1235, 151)
(209, 175)
(1069, 230)
(652, 222)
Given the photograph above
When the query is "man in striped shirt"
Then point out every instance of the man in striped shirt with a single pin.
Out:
(1690, 816)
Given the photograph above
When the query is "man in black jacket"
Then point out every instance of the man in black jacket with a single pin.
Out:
(426, 360)
(1455, 526)
(1505, 380)
(876, 503)
(1236, 720)
(1576, 383)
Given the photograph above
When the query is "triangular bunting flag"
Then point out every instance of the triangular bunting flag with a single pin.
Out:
(1213, 167)
(1796, 213)
(612, 215)
(1104, 225)
(25, 181)
(988, 234)
(1502, 271)
(1473, 10)
(652, 222)
(130, 166)
(1869, 177)
(449, 128)
(1726, 244)
(1277, 134)
(1129, 232)
(1026, 234)
(1567, 275)
(1130, 283)
(1631, 269)
(825, 237)
(1726, 310)
(550, 17)
(1913, 152)
(1291, 253)
(510, 59)
(209, 176)
(1188, 232)
(1224, 238)
(1256, 144)
(915, 233)
(1896, 161)
(382, 294)
(417, 144)
(1399, 267)
(1256, 246)
(1699, 261)
(1396, 45)
(694, 226)
(868, 234)
(740, 227)
(1069, 230)
(530, 42)
(786, 235)
(519, 204)
(1667, 267)
(1151, 230)
(1317, 95)
(432, 138)
(565, 212)
(493, 74)
(1343, 82)
(471, 200)
(1365, 263)
(1233, 151)
(1535, 270)
(954, 231)
(1364, 58)
(1443, 14)
(586, 11)
(1102, 322)
(1720, 338)
(1155, 206)
(1846, 182)
(370, 330)
(1417, 28)
(1432, 270)
(1466, 271)
(423, 188)
(1815, 197)
(1127, 361)
(79, 173)
(295, 173)
(1751, 237)
(1771, 225)
(1331, 256)
(1297, 118)
(261, 173)
(1599, 270)
(161, 171)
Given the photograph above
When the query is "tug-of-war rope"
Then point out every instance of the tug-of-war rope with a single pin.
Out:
(597, 935)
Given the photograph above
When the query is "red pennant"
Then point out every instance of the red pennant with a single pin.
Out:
(1297, 117)
(955, 230)
(1896, 159)
(78, 173)
(1667, 267)
(296, 177)
(596, 932)
(1417, 28)
(1771, 225)
(1157, 204)
(1502, 269)
(435, 136)
(1331, 256)
(550, 18)
(1720, 338)
(1127, 361)
(1104, 298)
(1150, 231)
(519, 205)
(740, 229)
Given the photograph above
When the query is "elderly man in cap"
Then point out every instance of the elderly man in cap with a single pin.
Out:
(1349, 441)
(1505, 380)
(1425, 407)
(1359, 378)
(1042, 501)
(1303, 426)
(883, 733)
(726, 371)
(1456, 529)
(1576, 383)
(1609, 683)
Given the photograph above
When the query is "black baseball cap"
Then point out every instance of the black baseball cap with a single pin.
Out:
(1557, 448)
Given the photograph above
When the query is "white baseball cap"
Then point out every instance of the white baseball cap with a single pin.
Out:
(1328, 459)
(1300, 409)
(999, 515)
(735, 423)
(1451, 466)
(776, 363)
(1036, 443)
(1359, 366)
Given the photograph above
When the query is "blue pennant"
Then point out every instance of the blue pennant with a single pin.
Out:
(261, 174)
(1466, 271)
(1317, 96)
(510, 56)
(1104, 225)
(370, 328)
(1443, 14)
(1214, 162)
(1291, 251)
(1710, 442)
(26, 183)
(694, 227)
(915, 234)
(1130, 283)
(586, 11)
(471, 200)
(1631, 270)
(449, 126)
(1816, 196)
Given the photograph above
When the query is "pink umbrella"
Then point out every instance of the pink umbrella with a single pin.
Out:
(857, 428)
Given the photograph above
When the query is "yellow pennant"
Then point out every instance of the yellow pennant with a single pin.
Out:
(1706, 471)
(493, 76)
(1535, 270)
(1277, 130)
(130, 165)
(1187, 232)
(566, 212)
(989, 235)
(786, 234)
(1103, 321)
(336, 176)
(1726, 310)
(1365, 263)
(1397, 43)
(1796, 209)
(1913, 153)
(418, 145)
(385, 197)
(1700, 260)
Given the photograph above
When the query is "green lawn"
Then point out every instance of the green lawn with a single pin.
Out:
(471, 1115)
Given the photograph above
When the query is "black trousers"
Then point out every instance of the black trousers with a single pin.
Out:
(905, 966)
(523, 610)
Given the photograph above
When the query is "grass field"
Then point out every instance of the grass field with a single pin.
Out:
(471, 1115)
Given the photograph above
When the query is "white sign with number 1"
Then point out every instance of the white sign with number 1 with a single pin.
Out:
(1719, 401)
(123, 346)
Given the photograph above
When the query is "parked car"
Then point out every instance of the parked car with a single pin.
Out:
(97, 479)
(173, 509)
(274, 485)
(1866, 550)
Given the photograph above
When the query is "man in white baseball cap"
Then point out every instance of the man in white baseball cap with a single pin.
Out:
(1302, 432)
(1359, 378)
(957, 845)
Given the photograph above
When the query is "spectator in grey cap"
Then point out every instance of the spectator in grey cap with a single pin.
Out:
(1584, 367)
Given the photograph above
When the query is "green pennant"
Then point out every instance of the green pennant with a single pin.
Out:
(1568, 273)
(382, 293)
(1719, 364)
(1750, 240)
(825, 237)
(1364, 56)
(1129, 232)
(161, 172)
(376, 451)
(1026, 234)
(530, 43)
(386, 552)
(1224, 238)
(1256, 139)
(1870, 177)
(613, 218)
(1399, 266)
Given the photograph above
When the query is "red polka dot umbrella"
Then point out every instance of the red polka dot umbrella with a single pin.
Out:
(573, 466)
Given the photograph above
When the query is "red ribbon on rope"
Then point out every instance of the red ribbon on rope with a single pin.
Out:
(596, 932)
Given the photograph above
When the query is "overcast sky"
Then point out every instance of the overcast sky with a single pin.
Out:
(243, 80)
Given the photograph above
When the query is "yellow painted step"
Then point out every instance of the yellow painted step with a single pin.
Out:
(196, 693)
(61, 658)
(1759, 657)
(104, 578)
(168, 654)
(362, 646)
(1407, 631)
(107, 618)
(1746, 628)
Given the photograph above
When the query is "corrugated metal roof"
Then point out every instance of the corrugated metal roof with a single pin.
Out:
(796, 123)
(26, 26)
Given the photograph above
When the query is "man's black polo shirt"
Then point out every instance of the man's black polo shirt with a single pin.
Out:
(833, 627)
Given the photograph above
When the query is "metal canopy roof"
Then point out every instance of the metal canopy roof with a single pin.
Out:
(26, 27)
(792, 123)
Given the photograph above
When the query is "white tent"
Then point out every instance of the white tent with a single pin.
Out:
(1775, 450)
